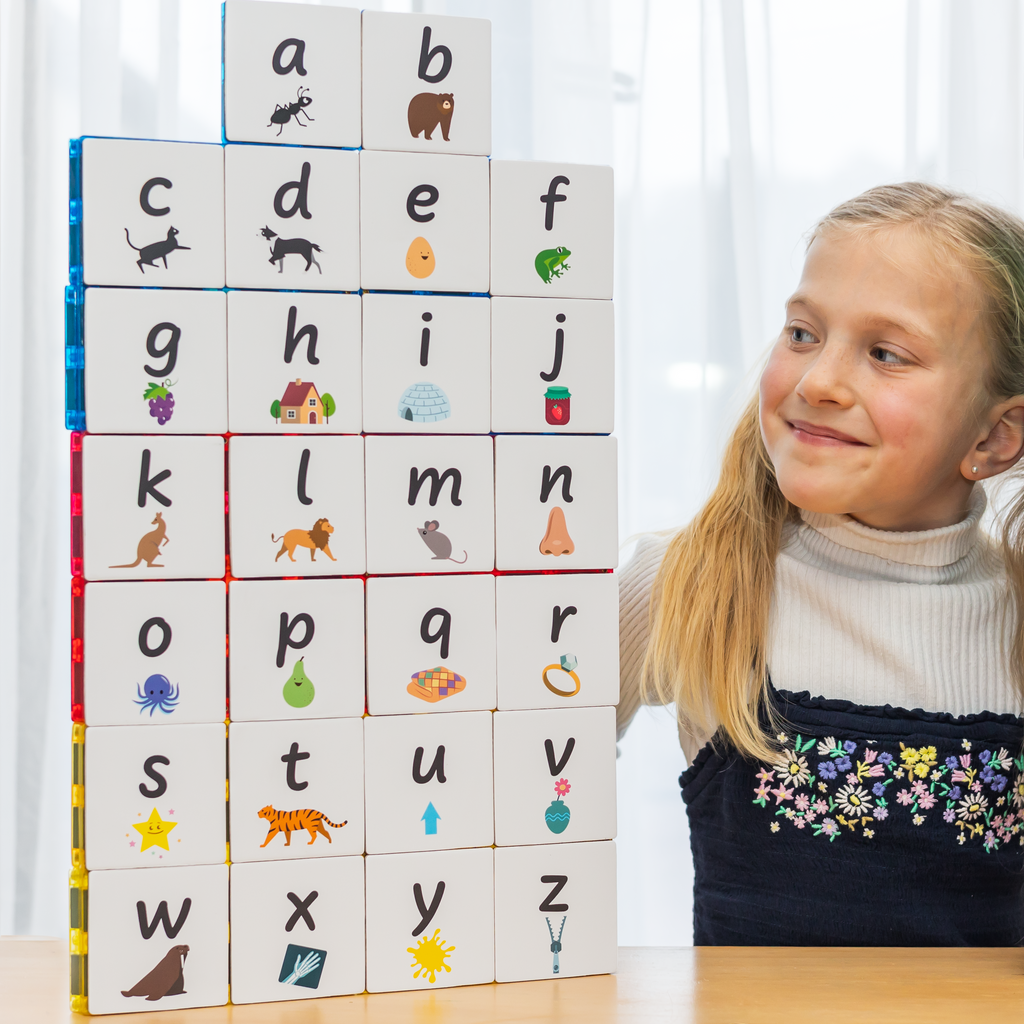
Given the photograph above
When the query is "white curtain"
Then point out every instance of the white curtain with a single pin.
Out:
(732, 125)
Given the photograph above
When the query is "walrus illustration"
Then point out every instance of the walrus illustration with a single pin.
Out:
(166, 979)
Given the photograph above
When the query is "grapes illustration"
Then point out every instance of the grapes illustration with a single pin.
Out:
(161, 400)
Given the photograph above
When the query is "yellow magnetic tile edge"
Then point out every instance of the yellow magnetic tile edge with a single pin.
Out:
(78, 939)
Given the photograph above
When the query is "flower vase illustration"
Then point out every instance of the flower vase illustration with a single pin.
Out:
(556, 817)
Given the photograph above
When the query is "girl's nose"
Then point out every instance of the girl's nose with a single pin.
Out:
(826, 380)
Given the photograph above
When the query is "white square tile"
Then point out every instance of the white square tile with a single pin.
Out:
(155, 361)
(426, 75)
(280, 497)
(291, 74)
(429, 920)
(292, 218)
(558, 640)
(297, 929)
(154, 798)
(551, 229)
(428, 782)
(556, 505)
(552, 366)
(416, 624)
(429, 504)
(147, 204)
(423, 222)
(154, 653)
(297, 649)
(280, 343)
(426, 364)
(153, 507)
(554, 896)
(158, 940)
(554, 776)
(296, 789)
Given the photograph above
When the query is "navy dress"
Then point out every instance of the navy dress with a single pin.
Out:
(876, 826)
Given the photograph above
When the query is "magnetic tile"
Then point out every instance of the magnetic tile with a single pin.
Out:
(297, 649)
(155, 361)
(154, 653)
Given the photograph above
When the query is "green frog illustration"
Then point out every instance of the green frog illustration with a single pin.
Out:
(551, 262)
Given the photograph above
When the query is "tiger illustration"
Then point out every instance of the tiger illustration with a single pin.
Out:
(291, 821)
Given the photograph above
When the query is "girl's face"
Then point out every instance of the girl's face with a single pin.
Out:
(873, 402)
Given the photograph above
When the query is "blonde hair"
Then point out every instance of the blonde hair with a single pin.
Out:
(712, 594)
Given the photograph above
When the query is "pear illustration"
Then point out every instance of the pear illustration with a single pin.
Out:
(298, 691)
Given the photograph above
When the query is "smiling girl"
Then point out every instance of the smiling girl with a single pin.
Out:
(843, 643)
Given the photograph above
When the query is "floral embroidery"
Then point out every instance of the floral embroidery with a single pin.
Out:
(848, 789)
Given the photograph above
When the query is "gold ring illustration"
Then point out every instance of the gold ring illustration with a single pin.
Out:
(554, 689)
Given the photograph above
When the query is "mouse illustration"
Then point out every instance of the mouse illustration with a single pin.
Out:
(438, 543)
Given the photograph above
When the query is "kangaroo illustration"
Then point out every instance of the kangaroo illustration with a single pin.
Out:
(149, 546)
(149, 254)
(283, 246)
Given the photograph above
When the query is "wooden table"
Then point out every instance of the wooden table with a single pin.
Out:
(706, 985)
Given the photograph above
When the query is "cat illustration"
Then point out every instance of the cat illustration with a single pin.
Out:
(149, 254)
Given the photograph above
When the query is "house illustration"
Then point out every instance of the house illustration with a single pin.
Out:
(301, 403)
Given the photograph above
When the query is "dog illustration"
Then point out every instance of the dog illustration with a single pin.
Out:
(149, 254)
(149, 546)
(318, 537)
(283, 246)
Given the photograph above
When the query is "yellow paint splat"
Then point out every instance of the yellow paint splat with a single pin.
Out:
(429, 956)
(154, 831)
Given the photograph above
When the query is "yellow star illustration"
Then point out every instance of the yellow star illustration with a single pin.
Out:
(154, 831)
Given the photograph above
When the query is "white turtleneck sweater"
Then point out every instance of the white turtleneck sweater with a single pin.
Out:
(915, 620)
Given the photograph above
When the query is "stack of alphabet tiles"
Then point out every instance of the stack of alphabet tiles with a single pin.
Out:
(344, 518)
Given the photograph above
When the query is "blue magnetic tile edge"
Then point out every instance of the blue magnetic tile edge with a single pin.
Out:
(75, 211)
(74, 358)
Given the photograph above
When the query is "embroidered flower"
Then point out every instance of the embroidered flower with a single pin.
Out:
(792, 768)
(851, 778)
(827, 771)
(809, 817)
(868, 833)
(905, 797)
(775, 826)
(885, 757)
(990, 841)
(781, 793)
(984, 756)
(820, 807)
(965, 760)
(929, 754)
(849, 746)
(971, 807)
(880, 813)
(1002, 760)
(961, 839)
(761, 793)
(909, 755)
(975, 787)
(822, 787)
(918, 788)
(854, 800)
(1018, 791)
(936, 775)
(952, 763)
(802, 801)
(869, 756)
(966, 744)
(955, 793)
(926, 801)
(878, 789)
(918, 819)
(826, 746)
(782, 738)
(765, 776)
(949, 815)
(790, 813)
(843, 764)
(998, 783)
(898, 773)
(829, 827)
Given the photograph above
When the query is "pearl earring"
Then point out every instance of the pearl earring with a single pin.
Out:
(974, 469)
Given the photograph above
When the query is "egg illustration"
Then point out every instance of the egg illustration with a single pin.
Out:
(419, 260)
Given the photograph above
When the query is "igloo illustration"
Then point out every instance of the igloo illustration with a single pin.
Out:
(424, 402)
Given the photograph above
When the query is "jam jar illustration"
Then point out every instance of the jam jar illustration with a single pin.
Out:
(556, 406)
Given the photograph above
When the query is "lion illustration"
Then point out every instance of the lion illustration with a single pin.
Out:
(318, 537)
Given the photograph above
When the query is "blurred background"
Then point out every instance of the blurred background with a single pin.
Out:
(732, 126)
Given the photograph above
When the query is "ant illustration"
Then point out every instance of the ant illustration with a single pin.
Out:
(282, 115)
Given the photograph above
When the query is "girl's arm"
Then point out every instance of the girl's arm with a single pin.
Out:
(636, 582)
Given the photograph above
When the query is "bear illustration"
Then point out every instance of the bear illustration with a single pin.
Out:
(427, 110)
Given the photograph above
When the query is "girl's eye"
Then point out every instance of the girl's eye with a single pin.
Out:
(884, 355)
(801, 336)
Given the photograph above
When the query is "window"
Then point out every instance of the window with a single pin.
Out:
(291, 414)
(312, 403)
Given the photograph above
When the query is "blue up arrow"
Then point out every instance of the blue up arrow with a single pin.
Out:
(430, 817)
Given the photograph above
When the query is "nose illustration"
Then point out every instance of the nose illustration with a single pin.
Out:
(556, 538)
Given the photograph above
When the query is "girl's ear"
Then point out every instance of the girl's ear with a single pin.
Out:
(1002, 447)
